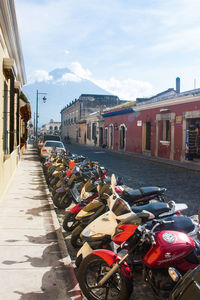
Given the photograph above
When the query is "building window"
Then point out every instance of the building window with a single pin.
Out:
(94, 130)
(166, 130)
(73, 118)
(12, 112)
(76, 115)
(17, 118)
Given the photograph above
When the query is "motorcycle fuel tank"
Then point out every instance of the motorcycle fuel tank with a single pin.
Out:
(171, 247)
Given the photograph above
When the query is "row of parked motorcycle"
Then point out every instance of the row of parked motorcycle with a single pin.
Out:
(120, 230)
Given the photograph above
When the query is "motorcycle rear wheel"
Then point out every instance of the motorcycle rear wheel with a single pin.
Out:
(69, 222)
(91, 270)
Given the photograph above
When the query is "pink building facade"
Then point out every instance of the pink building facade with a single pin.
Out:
(168, 128)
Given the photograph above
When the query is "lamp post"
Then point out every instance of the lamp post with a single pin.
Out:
(37, 116)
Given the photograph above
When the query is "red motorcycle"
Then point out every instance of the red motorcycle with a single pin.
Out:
(105, 275)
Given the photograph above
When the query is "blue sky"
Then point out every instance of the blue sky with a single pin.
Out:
(132, 48)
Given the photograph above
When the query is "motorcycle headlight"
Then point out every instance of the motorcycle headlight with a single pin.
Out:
(91, 233)
(86, 195)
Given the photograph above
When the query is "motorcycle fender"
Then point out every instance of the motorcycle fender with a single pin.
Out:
(84, 251)
(111, 257)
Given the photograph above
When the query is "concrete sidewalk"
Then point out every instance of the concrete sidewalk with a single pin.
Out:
(34, 263)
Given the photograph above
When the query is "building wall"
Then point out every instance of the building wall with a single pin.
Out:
(69, 121)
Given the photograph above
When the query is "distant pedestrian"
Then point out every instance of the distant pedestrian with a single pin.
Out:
(95, 141)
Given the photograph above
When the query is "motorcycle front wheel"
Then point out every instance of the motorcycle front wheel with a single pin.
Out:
(91, 271)
(62, 200)
(76, 240)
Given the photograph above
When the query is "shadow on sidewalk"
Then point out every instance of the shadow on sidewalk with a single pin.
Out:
(52, 286)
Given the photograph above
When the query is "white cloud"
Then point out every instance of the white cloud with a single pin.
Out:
(128, 89)
(40, 75)
(66, 52)
(77, 69)
(69, 77)
(184, 40)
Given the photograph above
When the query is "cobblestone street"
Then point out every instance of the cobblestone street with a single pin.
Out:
(182, 184)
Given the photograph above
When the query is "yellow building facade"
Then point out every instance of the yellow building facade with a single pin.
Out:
(14, 107)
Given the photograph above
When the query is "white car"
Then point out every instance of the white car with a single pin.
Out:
(50, 146)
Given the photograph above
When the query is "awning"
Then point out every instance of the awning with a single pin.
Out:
(118, 112)
(25, 112)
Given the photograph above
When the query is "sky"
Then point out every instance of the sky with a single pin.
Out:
(131, 48)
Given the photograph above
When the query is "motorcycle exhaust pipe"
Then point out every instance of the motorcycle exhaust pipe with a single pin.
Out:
(114, 268)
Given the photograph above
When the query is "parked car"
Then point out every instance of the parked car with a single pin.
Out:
(51, 137)
(47, 137)
(50, 146)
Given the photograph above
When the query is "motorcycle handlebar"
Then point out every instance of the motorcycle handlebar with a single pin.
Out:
(157, 223)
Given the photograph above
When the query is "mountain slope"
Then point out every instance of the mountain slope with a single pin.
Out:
(61, 89)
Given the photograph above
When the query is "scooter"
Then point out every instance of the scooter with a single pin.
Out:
(88, 193)
(103, 274)
(99, 205)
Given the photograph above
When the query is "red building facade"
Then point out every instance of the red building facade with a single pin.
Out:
(168, 128)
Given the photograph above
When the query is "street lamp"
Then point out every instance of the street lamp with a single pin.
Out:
(37, 116)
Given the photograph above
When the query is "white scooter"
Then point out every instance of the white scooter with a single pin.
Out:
(98, 234)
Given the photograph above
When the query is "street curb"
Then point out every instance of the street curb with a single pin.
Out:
(66, 259)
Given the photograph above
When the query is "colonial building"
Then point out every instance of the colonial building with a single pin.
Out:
(73, 116)
(14, 107)
(166, 125)
(51, 128)
(94, 129)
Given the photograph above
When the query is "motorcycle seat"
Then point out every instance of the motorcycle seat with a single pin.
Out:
(181, 223)
(155, 208)
(131, 195)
